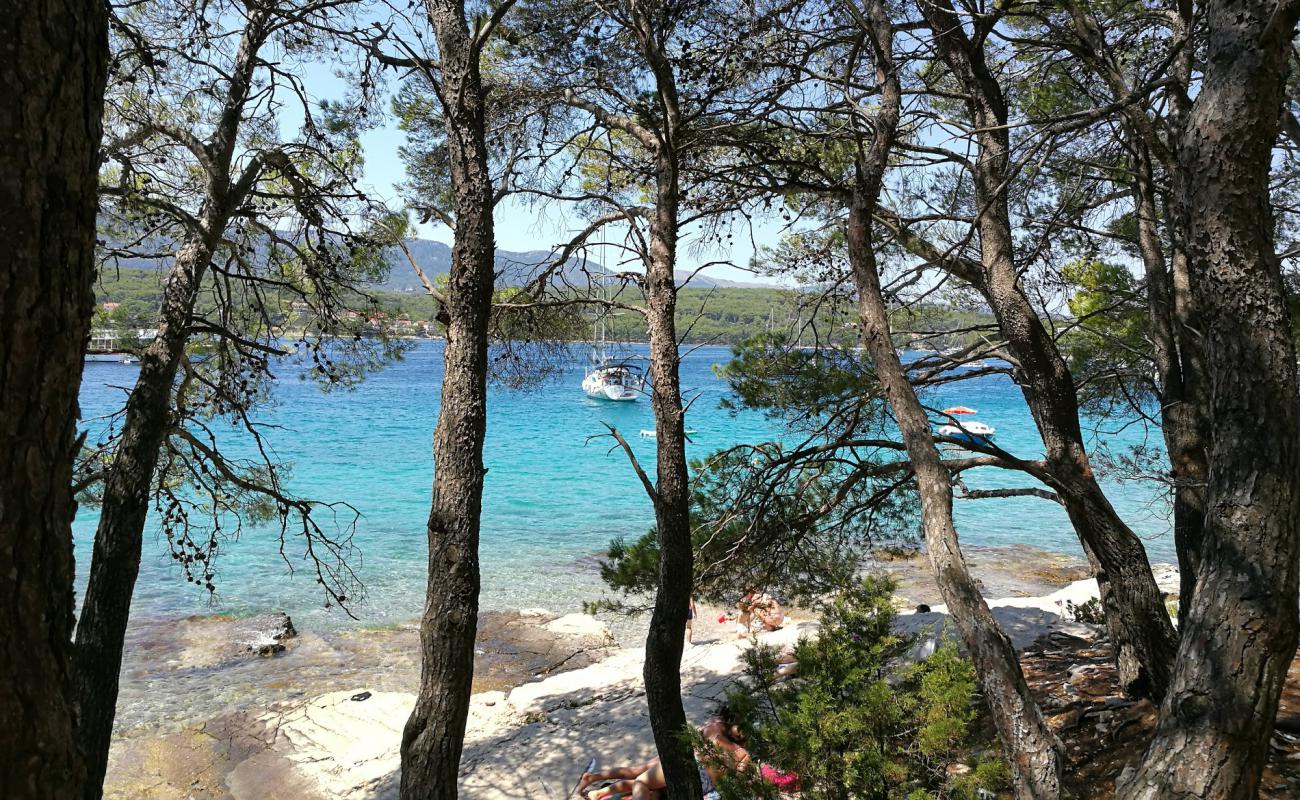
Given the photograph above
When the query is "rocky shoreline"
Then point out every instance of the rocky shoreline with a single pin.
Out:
(216, 707)
(192, 669)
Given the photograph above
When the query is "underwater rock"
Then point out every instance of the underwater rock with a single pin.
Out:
(265, 634)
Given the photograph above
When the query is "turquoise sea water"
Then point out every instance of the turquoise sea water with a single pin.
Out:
(554, 498)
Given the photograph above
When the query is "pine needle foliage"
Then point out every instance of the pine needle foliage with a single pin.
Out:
(861, 721)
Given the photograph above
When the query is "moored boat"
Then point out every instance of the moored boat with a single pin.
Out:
(968, 431)
(609, 381)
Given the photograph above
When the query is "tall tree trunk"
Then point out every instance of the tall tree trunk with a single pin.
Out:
(1178, 365)
(1186, 425)
(434, 735)
(52, 72)
(663, 652)
(1139, 626)
(1033, 750)
(1029, 744)
(671, 493)
(1179, 373)
(1240, 633)
(115, 564)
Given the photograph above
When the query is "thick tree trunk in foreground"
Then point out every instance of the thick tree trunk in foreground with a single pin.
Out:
(52, 70)
(663, 652)
(1239, 635)
(1141, 632)
(1029, 744)
(434, 735)
(106, 610)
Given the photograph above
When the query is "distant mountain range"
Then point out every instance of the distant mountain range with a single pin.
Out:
(513, 269)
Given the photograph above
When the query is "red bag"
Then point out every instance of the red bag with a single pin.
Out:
(785, 781)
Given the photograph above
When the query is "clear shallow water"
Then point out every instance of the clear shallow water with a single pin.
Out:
(553, 498)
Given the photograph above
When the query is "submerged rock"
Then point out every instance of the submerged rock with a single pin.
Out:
(265, 634)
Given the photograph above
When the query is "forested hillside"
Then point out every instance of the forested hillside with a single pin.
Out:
(717, 315)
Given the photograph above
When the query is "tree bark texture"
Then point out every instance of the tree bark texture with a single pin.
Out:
(1144, 638)
(115, 563)
(1032, 749)
(1030, 746)
(52, 72)
(128, 486)
(1240, 633)
(672, 498)
(434, 735)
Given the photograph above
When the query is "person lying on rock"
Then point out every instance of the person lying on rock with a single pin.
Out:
(759, 611)
(646, 781)
(787, 662)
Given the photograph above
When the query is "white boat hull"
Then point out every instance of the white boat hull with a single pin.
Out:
(976, 432)
(616, 393)
(110, 358)
(597, 387)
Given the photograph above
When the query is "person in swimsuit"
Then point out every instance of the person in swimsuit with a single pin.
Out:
(690, 622)
(758, 612)
(645, 781)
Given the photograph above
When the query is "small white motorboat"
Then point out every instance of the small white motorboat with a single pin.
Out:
(649, 433)
(972, 431)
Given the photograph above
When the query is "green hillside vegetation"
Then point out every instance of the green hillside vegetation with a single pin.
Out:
(704, 315)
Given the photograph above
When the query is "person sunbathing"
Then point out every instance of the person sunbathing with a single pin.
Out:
(758, 612)
(787, 662)
(645, 781)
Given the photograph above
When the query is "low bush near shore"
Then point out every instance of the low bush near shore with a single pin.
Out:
(859, 719)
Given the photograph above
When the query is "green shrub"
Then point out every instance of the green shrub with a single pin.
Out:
(859, 722)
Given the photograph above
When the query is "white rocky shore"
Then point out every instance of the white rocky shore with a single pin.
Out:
(529, 742)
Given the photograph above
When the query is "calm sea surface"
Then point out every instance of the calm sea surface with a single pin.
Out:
(554, 497)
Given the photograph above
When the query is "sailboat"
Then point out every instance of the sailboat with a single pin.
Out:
(609, 378)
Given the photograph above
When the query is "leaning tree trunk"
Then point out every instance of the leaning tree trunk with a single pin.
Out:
(1179, 371)
(1029, 744)
(115, 563)
(1175, 347)
(1141, 632)
(1032, 749)
(1139, 626)
(52, 71)
(434, 735)
(663, 651)
(1239, 635)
